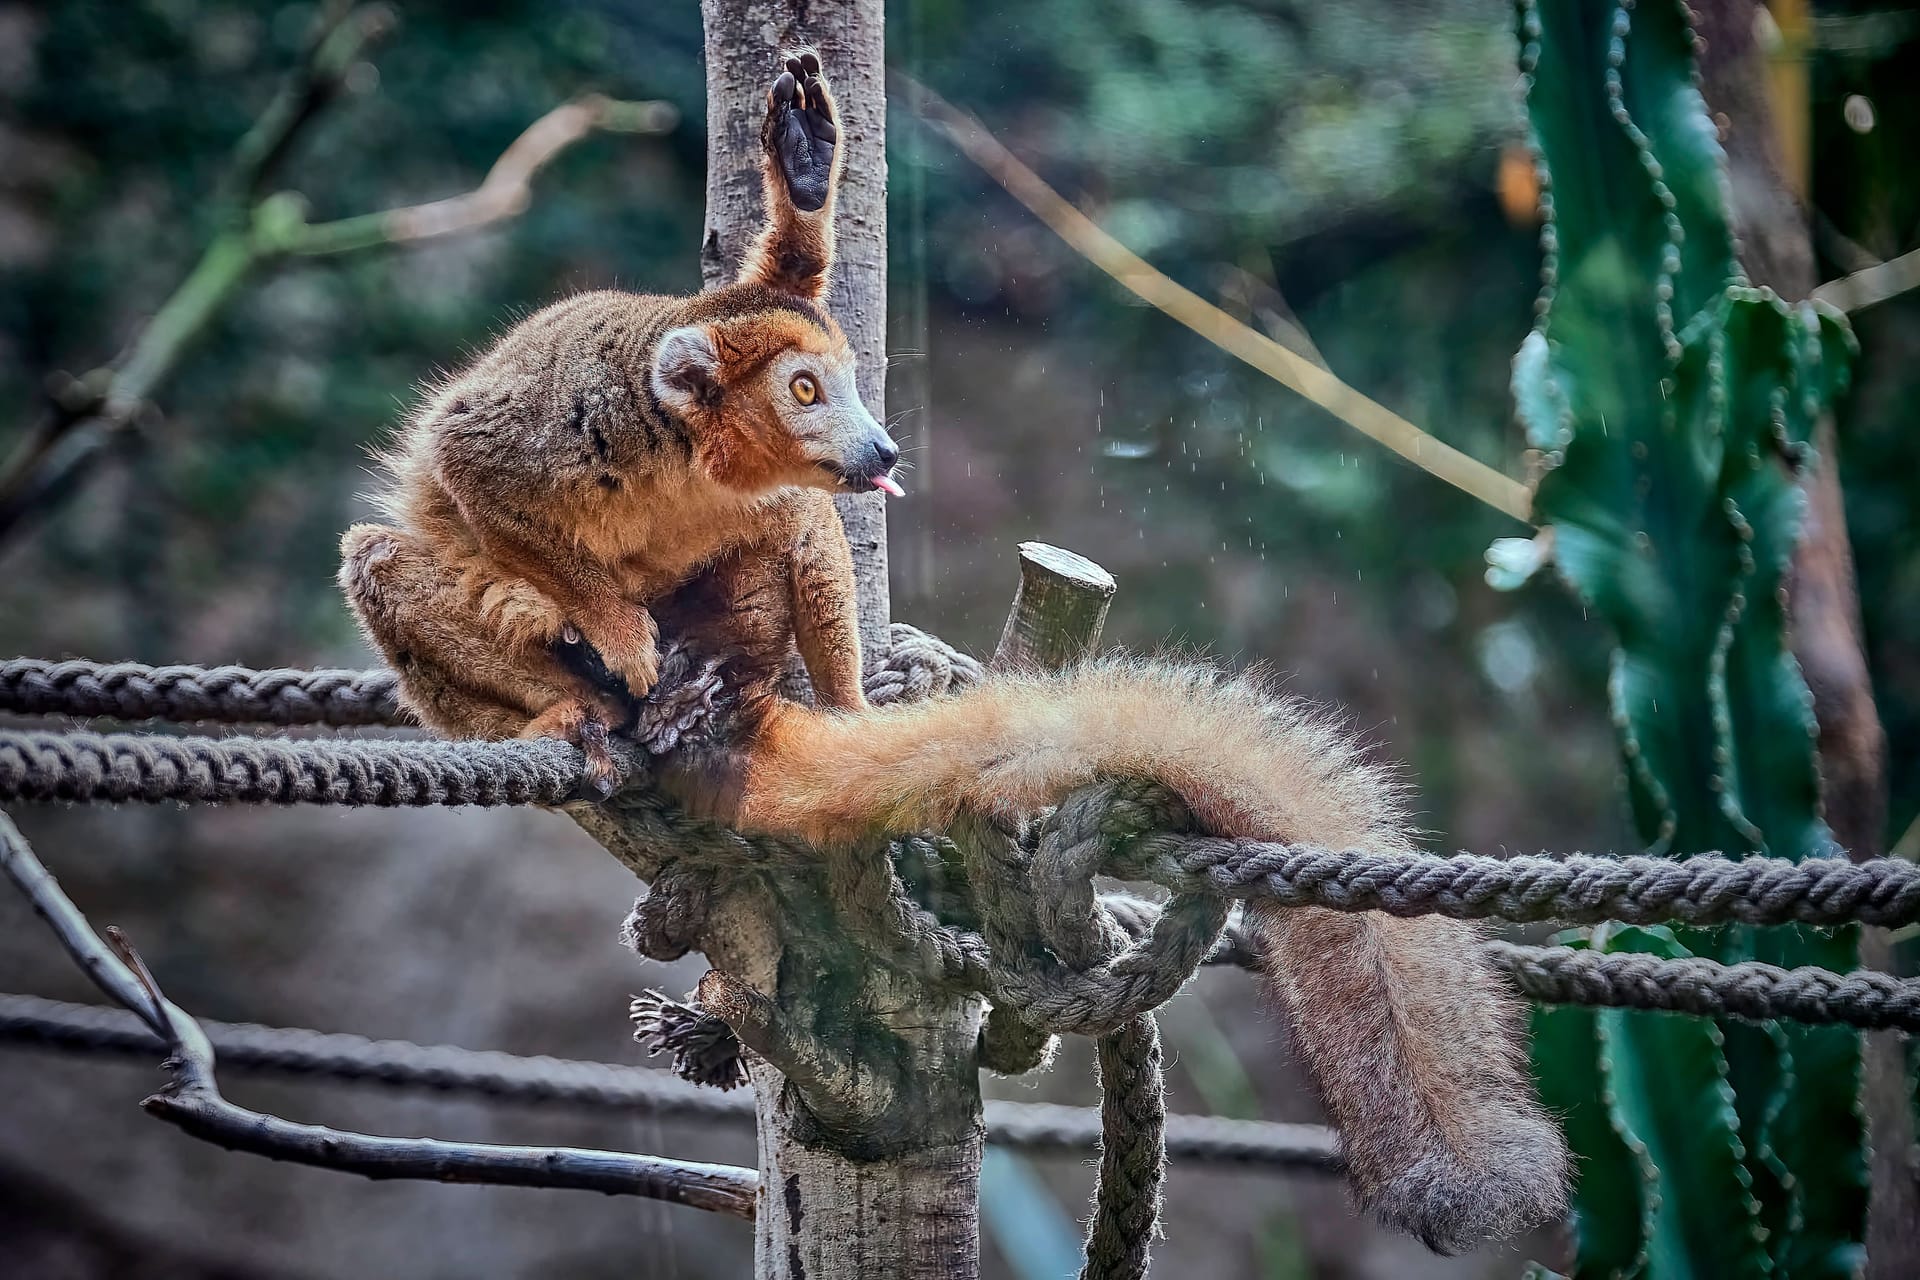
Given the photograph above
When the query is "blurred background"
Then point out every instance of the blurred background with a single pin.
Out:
(1353, 172)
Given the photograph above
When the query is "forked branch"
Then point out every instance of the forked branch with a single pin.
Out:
(192, 1099)
(89, 412)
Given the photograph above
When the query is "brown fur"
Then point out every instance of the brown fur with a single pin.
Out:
(1416, 1053)
(619, 464)
(600, 456)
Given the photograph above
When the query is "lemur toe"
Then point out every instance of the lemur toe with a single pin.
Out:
(810, 62)
(601, 776)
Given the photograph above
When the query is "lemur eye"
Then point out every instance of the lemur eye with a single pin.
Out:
(805, 390)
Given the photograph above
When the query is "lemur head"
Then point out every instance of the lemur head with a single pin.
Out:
(769, 400)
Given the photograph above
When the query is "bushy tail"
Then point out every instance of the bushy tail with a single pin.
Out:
(1415, 1050)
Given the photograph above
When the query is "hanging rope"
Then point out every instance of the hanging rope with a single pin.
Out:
(1049, 954)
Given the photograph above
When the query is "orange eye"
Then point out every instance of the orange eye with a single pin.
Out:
(805, 390)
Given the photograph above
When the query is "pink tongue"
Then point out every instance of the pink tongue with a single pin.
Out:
(887, 483)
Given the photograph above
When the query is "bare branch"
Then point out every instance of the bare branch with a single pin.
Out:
(829, 1080)
(504, 1077)
(1137, 276)
(340, 34)
(90, 412)
(504, 193)
(192, 1099)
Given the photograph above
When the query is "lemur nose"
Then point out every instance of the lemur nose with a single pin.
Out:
(887, 452)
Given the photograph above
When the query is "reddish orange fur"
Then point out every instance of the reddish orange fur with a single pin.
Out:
(620, 463)
(1417, 1053)
(587, 468)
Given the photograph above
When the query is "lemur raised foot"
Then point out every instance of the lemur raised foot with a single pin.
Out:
(621, 464)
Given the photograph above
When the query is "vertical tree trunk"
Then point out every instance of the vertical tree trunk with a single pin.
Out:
(866, 1080)
(742, 39)
(1776, 248)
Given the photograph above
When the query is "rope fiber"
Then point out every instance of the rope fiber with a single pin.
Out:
(1028, 931)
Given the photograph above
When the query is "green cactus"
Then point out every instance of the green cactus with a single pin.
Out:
(1672, 405)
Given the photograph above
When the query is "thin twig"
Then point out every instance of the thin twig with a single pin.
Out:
(107, 402)
(1135, 274)
(339, 35)
(192, 1100)
(1874, 285)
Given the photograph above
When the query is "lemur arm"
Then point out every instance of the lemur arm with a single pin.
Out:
(826, 614)
(799, 176)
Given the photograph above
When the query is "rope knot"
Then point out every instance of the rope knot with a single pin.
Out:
(703, 1048)
(667, 920)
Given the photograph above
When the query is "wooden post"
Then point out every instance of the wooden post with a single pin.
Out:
(743, 39)
(866, 1080)
(1057, 612)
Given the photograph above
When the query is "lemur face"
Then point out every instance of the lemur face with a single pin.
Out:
(772, 401)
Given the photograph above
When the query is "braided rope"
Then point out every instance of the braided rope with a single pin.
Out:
(1748, 989)
(234, 695)
(1578, 889)
(119, 767)
(1105, 966)
(917, 665)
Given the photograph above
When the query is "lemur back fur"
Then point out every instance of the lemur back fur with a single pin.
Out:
(620, 463)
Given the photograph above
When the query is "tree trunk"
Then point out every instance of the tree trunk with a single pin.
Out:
(743, 38)
(1776, 248)
(866, 1081)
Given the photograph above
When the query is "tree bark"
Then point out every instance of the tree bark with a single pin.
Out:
(865, 1079)
(743, 38)
(1776, 248)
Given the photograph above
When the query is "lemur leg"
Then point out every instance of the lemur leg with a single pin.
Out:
(622, 632)
(799, 175)
(458, 677)
(826, 623)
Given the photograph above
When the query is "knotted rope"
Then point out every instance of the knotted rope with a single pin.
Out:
(1050, 955)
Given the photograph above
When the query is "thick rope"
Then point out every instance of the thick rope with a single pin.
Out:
(1051, 956)
(120, 767)
(917, 665)
(1133, 1105)
(505, 1077)
(232, 695)
(1748, 989)
(1576, 889)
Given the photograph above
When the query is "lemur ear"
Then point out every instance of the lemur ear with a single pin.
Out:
(686, 368)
